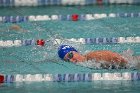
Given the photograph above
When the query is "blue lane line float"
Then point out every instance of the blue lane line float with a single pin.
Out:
(68, 18)
(136, 15)
(132, 15)
(28, 42)
(58, 78)
(55, 2)
(6, 3)
(68, 77)
(101, 40)
(72, 77)
(75, 77)
(82, 17)
(49, 2)
(136, 1)
(1, 3)
(111, 40)
(135, 76)
(65, 17)
(9, 78)
(6, 19)
(21, 19)
(14, 19)
(87, 77)
(41, 2)
(123, 15)
(90, 41)
(79, 77)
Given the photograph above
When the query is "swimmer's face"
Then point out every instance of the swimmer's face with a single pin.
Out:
(73, 56)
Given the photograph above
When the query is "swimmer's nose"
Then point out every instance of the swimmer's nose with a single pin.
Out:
(76, 59)
(73, 60)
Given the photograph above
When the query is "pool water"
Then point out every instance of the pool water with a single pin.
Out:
(35, 59)
(73, 87)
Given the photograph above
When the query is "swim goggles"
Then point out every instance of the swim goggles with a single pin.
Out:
(69, 56)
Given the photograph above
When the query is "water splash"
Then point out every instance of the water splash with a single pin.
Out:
(133, 62)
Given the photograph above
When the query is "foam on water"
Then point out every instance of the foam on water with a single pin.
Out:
(133, 62)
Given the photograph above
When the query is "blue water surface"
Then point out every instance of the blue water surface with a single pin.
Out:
(34, 59)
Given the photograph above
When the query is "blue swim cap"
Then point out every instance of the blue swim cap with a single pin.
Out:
(64, 49)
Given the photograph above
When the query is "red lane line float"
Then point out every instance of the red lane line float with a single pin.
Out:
(75, 17)
(1, 79)
(99, 2)
(40, 42)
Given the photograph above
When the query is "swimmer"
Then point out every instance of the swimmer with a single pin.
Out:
(17, 28)
(70, 54)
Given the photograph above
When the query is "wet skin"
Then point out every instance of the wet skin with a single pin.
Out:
(108, 57)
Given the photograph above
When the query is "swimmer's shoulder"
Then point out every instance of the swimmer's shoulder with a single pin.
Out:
(91, 55)
(98, 54)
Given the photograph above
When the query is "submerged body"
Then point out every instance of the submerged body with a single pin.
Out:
(17, 28)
